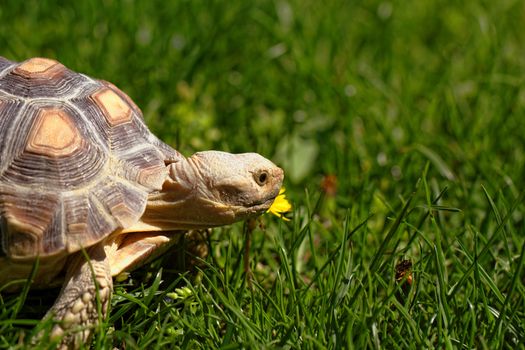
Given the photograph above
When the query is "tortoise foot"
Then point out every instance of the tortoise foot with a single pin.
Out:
(83, 300)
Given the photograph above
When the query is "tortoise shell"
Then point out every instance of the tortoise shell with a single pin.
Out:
(77, 161)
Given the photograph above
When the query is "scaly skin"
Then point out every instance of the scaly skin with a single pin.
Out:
(86, 292)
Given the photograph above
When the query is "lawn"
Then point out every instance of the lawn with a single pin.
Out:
(400, 126)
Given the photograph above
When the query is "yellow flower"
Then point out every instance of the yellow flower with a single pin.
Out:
(280, 205)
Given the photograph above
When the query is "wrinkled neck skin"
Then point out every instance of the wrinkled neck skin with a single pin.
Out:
(211, 189)
(182, 203)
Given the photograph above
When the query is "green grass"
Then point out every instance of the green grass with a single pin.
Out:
(416, 107)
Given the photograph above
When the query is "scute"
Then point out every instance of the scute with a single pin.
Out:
(77, 161)
(123, 201)
(32, 157)
(115, 110)
(41, 78)
(29, 223)
(86, 219)
(36, 66)
(54, 134)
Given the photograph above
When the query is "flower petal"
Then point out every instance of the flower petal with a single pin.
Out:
(280, 205)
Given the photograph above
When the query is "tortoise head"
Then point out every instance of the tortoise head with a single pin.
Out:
(214, 188)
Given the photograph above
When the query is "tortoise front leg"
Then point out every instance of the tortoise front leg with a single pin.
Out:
(77, 307)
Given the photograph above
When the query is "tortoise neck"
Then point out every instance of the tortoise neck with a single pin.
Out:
(179, 205)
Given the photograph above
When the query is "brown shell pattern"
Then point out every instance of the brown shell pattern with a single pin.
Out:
(76, 160)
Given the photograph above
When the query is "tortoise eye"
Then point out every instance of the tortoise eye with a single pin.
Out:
(261, 178)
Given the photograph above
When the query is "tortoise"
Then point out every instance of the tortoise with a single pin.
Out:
(88, 191)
